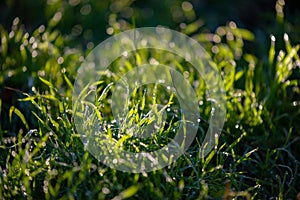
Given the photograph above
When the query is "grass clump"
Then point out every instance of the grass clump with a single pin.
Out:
(43, 157)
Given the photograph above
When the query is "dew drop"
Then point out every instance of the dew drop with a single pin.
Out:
(161, 81)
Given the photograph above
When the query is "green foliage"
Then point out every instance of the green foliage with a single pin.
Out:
(43, 157)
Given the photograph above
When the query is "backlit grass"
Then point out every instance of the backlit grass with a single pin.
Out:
(43, 157)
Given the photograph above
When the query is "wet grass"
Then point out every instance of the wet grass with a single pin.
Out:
(43, 157)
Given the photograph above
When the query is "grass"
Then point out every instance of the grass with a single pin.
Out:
(43, 157)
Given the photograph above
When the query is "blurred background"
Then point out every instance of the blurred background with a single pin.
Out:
(88, 20)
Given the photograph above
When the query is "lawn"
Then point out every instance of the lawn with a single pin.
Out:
(52, 129)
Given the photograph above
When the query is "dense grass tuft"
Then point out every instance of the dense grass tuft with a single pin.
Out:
(256, 157)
